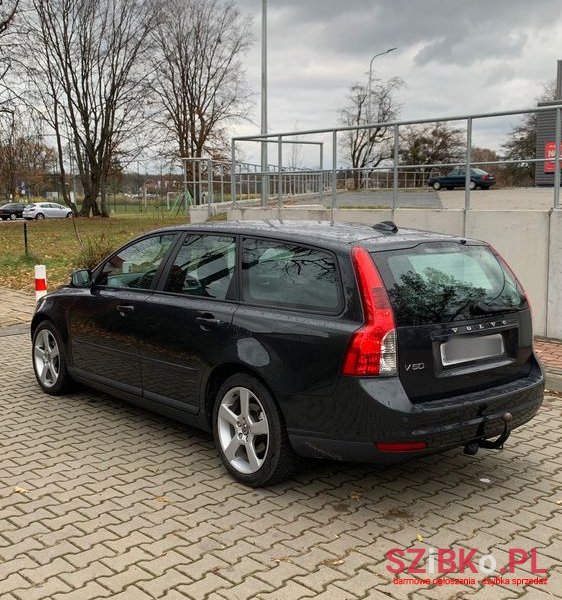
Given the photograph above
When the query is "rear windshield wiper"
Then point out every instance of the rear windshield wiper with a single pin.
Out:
(480, 308)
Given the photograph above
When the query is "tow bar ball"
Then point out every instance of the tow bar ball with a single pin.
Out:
(472, 447)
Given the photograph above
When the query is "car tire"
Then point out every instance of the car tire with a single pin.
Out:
(436, 185)
(472, 185)
(39, 216)
(49, 360)
(13, 216)
(68, 215)
(250, 433)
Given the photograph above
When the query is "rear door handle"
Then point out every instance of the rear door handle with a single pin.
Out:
(125, 308)
(207, 321)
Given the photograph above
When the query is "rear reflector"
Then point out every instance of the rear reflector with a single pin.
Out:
(400, 446)
(372, 348)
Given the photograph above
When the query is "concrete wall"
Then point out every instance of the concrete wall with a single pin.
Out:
(554, 299)
(530, 240)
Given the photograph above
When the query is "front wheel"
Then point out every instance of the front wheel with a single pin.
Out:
(436, 185)
(250, 434)
(49, 360)
(68, 215)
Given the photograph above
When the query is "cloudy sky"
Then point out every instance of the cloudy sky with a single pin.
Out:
(455, 57)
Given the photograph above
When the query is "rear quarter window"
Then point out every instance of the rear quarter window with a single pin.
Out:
(290, 275)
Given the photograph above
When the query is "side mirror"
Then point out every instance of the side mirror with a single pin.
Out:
(81, 278)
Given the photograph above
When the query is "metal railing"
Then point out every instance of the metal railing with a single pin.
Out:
(324, 182)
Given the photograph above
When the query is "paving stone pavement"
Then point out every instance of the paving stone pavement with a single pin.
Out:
(102, 499)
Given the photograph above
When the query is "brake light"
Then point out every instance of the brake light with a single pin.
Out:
(400, 446)
(372, 348)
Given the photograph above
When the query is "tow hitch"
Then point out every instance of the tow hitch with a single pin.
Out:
(472, 447)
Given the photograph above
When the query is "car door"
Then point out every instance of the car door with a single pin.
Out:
(188, 320)
(47, 209)
(59, 211)
(455, 178)
(104, 323)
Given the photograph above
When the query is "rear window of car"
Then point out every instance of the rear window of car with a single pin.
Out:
(443, 282)
(289, 275)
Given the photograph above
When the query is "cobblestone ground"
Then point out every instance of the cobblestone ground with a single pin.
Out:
(101, 499)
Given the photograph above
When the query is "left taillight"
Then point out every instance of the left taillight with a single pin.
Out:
(371, 351)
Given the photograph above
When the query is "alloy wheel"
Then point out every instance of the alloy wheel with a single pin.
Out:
(46, 355)
(243, 430)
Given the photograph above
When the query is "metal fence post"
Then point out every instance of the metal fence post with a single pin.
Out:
(280, 170)
(321, 178)
(334, 173)
(233, 173)
(395, 179)
(557, 161)
(209, 185)
(185, 191)
(467, 163)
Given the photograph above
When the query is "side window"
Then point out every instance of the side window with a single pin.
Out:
(284, 274)
(136, 265)
(204, 266)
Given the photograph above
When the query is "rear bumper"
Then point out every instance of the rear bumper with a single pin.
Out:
(379, 411)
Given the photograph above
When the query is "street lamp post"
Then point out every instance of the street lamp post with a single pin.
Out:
(369, 91)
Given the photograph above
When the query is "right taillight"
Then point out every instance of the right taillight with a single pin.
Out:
(372, 348)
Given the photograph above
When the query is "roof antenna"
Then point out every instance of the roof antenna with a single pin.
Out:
(386, 226)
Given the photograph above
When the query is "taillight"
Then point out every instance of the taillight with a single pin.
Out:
(372, 348)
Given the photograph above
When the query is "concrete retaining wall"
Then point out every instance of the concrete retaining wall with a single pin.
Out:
(554, 296)
(530, 240)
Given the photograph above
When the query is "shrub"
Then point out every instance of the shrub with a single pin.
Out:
(95, 249)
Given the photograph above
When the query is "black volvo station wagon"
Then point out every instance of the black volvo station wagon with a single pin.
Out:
(347, 342)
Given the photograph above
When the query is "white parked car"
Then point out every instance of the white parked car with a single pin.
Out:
(46, 210)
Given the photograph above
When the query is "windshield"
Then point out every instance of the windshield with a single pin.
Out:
(443, 282)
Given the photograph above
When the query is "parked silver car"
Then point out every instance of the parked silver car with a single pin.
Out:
(46, 210)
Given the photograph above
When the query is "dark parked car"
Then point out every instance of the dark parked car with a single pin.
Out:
(11, 211)
(457, 178)
(346, 342)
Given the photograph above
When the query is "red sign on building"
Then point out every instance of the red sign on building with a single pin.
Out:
(549, 155)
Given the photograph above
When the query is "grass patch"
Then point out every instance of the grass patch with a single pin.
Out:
(54, 244)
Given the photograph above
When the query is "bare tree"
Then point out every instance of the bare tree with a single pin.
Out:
(521, 143)
(26, 162)
(198, 46)
(83, 59)
(367, 148)
(8, 11)
(431, 144)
